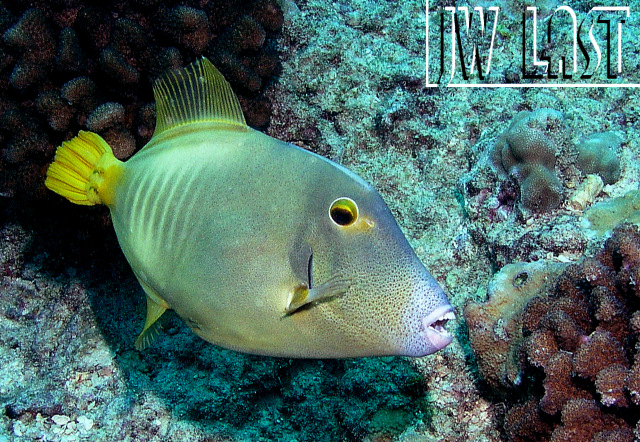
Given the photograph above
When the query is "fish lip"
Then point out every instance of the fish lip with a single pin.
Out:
(434, 331)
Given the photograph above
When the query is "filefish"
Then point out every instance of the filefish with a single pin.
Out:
(258, 245)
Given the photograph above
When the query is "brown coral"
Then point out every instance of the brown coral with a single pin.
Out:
(495, 326)
(524, 423)
(581, 347)
(583, 420)
(633, 383)
(599, 351)
(190, 27)
(540, 347)
(33, 37)
(610, 384)
(559, 385)
(61, 65)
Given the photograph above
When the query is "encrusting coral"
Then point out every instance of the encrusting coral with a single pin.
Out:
(495, 326)
(607, 214)
(578, 351)
(72, 66)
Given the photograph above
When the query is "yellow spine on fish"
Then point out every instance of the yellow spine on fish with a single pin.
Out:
(85, 170)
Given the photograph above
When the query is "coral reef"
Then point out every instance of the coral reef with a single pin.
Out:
(579, 351)
(366, 108)
(598, 153)
(525, 192)
(517, 181)
(525, 151)
(68, 67)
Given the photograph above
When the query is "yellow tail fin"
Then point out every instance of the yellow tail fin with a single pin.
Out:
(84, 170)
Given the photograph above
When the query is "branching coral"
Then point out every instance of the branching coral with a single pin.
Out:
(579, 351)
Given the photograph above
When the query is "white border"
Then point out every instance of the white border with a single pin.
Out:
(514, 85)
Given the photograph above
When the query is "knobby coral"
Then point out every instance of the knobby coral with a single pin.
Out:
(579, 355)
(70, 65)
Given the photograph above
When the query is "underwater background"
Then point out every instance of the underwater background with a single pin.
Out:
(522, 202)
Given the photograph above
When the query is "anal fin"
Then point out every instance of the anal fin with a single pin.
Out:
(156, 306)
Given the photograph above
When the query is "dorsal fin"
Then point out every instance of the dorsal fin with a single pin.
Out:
(195, 93)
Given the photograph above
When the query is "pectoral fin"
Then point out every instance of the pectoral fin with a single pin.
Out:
(303, 295)
(301, 260)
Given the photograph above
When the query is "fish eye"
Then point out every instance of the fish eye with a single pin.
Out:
(344, 211)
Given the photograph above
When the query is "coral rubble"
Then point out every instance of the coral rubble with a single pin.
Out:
(578, 351)
(69, 66)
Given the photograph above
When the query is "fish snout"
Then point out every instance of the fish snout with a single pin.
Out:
(426, 316)
(425, 324)
(434, 331)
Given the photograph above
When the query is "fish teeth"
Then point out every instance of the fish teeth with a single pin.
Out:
(447, 316)
(441, 321)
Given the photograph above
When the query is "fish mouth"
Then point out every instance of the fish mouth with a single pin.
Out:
(434, 327)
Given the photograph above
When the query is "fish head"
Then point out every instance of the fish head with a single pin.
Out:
(373, 295)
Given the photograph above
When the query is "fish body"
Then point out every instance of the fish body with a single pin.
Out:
(258, 245)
